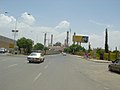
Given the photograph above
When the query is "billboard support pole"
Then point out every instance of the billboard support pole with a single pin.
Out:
(80, 43)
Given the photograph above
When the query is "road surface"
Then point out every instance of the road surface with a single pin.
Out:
(58, 72)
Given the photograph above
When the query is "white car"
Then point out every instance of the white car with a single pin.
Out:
(64, 54)
(35, 57)
(2, 50)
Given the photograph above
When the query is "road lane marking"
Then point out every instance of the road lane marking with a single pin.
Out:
(36, 78)
(106, 88)
(13, 65)
(46, 67)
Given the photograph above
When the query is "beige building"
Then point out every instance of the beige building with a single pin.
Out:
(6, 42)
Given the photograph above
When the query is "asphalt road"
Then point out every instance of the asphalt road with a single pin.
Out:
(58, 72)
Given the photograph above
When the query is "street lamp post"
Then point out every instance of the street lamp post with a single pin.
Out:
(15, 32)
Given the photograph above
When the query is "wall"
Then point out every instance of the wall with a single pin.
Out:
(5, 42)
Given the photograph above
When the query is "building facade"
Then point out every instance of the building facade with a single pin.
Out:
(6, 42)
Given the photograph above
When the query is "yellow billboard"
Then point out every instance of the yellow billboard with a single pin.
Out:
(83, 39)
(77, 38)
(11, 45)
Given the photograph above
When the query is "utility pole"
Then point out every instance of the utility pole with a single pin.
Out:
(52, 40)
(70, 36)
(45, 39)
(67, 40)
(106, 41)
(116, 56)
(73, 38)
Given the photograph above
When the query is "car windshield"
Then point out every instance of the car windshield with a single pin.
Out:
(1, 48)
(33, 54)
(119, 62)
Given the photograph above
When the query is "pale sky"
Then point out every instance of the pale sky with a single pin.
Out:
(85, 17)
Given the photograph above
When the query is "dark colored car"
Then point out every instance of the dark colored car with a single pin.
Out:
(115, 66)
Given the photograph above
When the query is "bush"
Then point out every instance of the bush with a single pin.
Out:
(79, 53)
(112, 56)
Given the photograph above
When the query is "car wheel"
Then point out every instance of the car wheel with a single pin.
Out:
(43, 59)
(29, 61)
(119, 71)
(110, 69)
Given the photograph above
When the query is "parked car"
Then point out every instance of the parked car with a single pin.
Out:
(115, 66)
(64, 54)
(36, 57)
(3, 50)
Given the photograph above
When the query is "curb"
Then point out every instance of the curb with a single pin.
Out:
(100, 61)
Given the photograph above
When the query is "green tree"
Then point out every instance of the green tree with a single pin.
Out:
(99, 51)
(38, 46)
(25, 44)
(67, 50)
(45, 49)
(106, 41)
(29, 43)
(74, 48)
